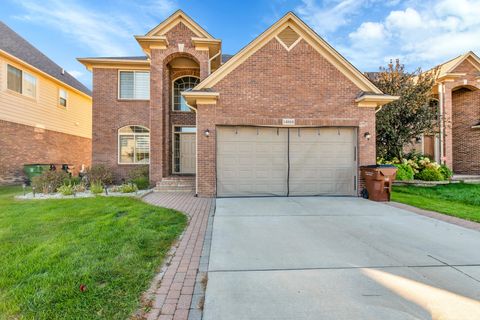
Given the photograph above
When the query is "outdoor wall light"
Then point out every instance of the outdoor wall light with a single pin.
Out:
(367, 135)
(206, 133)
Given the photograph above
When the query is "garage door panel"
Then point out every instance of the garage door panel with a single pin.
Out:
(257, 162)
(322, 161)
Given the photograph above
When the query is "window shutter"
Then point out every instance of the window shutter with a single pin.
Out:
(142, 85)
(127, 85)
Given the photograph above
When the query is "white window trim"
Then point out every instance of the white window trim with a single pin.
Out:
(118, 83)
(173, 143)
(135, 149)
(173, 93)
(37, 82)
(66, 99)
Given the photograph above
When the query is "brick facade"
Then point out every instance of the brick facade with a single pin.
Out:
(270, 85)
(299, 84)
(23, 144)
(462, 111)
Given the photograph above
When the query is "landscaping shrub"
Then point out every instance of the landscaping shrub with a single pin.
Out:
(50, 181)
(128, 188)
(430, 174)
(421, 166)
(66, 189)
(80, 187)
(141, 182)
(404, 172)
(446, 172)
(100, 173)
(140, 177)
(96, 187)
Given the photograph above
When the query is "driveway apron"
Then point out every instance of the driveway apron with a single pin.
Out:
(338, 258)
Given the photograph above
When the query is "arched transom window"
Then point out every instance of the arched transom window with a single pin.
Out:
(133, 145)
(180, 85)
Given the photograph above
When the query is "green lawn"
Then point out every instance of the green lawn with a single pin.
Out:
(459, 200)
(49, 248)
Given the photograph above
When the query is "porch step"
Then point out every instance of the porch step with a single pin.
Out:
(176, 184)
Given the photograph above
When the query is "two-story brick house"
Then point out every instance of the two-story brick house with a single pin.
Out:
(287, 115)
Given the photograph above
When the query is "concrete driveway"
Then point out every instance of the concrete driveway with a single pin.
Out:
(338, 258)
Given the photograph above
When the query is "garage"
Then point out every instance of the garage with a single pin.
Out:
(269, 161)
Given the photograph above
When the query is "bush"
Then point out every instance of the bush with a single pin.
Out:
(141, 182)
(96, 187)
(50, 181)
(80, 187)
(446, 172)
(404, 172)
(128, 188)
(140, 177)
(100, 173)
(66, 189)
(430, 174)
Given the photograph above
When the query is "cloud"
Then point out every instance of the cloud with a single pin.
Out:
(75, 73)
(105, 33)
(423, 34)
(329, 16)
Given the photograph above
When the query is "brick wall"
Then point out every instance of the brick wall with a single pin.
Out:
(466, 141)
(273, 84)
(463, 111)
(110, 114)
(27, 145)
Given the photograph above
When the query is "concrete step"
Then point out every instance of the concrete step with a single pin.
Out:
(176, 184)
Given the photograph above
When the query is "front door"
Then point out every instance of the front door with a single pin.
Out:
(187, 153)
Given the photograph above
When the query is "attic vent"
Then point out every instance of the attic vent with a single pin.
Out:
(288, 37)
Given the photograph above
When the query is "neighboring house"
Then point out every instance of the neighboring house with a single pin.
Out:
(287, 115)
(45, 113)
(457, 90)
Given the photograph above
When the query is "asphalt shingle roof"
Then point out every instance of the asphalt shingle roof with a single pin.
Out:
(12, 43)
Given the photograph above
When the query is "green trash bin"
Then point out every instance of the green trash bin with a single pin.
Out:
(33, 170)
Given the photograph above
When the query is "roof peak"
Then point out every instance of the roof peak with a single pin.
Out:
(179, 16)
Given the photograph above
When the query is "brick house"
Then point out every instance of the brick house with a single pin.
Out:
(457, 89)
(45, 113)
(287, 115)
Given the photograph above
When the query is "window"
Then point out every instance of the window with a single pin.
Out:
(179, 85)
(133, 145)
(21, 82)
(134, 85)
(62, 97)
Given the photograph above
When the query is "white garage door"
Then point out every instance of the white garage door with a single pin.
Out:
(262, 161)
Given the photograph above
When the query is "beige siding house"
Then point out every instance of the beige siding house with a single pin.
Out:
(45, 113)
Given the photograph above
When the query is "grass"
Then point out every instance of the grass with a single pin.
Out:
(459, 200)
(49, 248)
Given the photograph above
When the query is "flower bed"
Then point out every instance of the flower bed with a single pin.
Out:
(85, 194)
(415, 167)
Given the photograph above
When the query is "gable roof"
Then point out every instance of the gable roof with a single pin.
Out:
(447, 68)
(13, 44)
(178, 17)
(295, 23)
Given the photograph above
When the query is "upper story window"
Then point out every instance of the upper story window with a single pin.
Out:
(179, 85)
(62, 97)
(134, 85)
(133, 145)
(21, 82)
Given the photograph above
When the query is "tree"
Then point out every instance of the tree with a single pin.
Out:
(400, 122)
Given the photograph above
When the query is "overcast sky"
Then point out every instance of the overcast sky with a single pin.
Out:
(367, 32)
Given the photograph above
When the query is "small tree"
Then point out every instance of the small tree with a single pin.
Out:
(400, 122)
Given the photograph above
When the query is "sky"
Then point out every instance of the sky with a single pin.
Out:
(369, 33)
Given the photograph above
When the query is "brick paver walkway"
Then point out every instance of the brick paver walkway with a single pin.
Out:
(173, 288)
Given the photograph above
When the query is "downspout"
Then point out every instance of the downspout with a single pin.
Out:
(442, 122)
